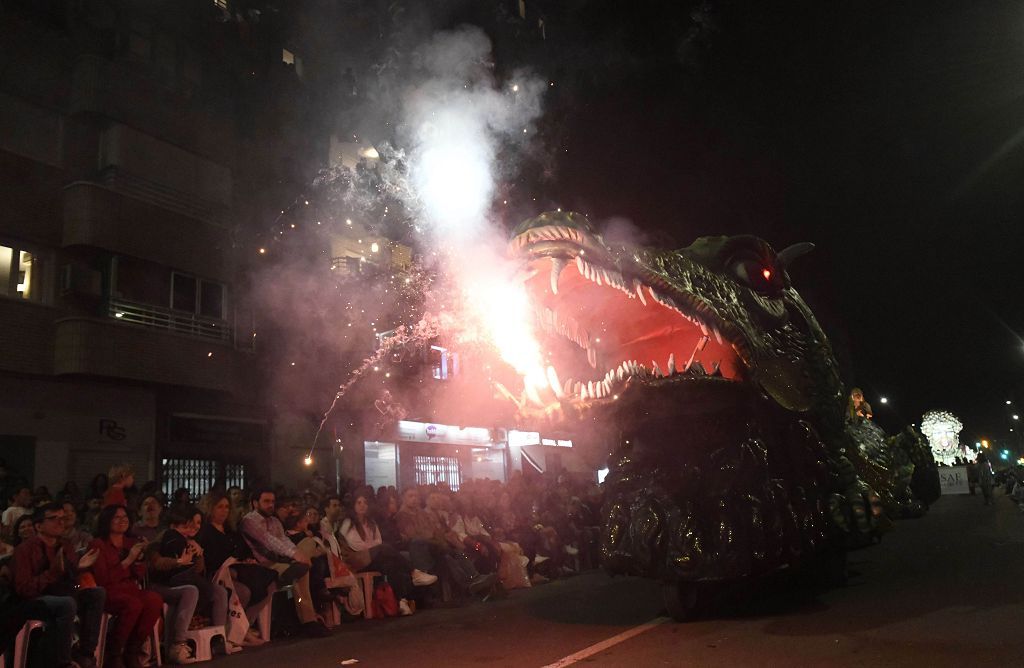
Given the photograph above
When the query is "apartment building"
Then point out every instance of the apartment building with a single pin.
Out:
(124, 332)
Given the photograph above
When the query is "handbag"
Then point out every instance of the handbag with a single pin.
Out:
(357, 560)
(384, 601)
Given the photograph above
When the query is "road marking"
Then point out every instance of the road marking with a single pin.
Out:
(605, 644)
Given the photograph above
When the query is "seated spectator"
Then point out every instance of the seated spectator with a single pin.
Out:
(238, 505)
(19, 502)
(76, 535)
(482, 548)
(151, 524)
(386, 509)
(360, 532)
(299, 528)
(178, 563)
(313, 521)
(14, 611)
(70, 492)
(288, 507)
(254, 584)
(181, 497)
(98, 486)
(429, 544)
(121, 477)
(23, 529)
(120, 569)
(93, 506)
(265, 535)
(333, 514)
(46, 569)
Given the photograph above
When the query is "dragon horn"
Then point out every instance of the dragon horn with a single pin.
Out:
(790, 253)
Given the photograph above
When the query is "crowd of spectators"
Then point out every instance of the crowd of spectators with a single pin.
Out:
(128, 550)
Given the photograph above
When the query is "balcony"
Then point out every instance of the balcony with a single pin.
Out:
(115, 349)
(177, 322)
(98, 216)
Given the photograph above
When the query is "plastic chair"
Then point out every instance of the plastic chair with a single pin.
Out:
(366, 582)
(203, 640)
(264, 619)
(154, 658)
(20, 658)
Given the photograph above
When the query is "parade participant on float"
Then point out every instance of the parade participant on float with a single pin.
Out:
(857, 407)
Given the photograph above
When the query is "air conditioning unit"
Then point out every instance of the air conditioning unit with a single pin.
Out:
(79, 280)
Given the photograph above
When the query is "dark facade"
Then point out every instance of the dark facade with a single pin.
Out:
(128, 153)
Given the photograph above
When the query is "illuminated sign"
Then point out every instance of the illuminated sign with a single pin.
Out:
(424, 432)
(517, 439)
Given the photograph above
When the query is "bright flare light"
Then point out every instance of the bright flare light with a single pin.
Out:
(500, 311)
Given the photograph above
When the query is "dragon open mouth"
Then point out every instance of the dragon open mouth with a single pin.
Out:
(613, 326)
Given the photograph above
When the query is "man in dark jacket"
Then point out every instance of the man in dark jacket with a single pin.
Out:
(46, 569)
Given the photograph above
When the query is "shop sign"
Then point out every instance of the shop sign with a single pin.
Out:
(517, 439)
(430, 432)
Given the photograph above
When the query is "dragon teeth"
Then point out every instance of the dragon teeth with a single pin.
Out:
(656, 370)
(638, 287)
(671, 364)
(703, 343)
(557, 265)
(718, 335)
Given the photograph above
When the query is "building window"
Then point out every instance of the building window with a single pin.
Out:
(444, 364)
(287, 57)
(211, 299)
(198, 296)
(21, 274)
(183, 292)
(434, 470)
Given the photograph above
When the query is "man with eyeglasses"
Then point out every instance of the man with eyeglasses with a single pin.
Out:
(47, 569)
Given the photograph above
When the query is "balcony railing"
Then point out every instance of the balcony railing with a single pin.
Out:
(179, 322)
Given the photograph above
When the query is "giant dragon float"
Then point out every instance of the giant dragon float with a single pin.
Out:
(734, 459)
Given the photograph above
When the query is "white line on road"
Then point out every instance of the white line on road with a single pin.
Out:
(605, 644)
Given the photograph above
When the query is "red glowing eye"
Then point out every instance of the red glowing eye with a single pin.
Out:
(767, 273)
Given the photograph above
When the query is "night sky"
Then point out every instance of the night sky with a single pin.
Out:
(890, 136)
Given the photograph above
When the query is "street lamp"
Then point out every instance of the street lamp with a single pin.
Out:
(884, 400)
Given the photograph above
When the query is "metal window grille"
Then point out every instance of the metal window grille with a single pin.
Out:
(199, 475)
(431, 470)
(234, 475)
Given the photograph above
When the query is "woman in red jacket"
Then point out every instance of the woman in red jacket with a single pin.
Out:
(120, 570)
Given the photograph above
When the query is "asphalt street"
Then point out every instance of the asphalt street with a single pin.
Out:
(943, 590)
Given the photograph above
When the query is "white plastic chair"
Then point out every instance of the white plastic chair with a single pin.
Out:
(20, 658)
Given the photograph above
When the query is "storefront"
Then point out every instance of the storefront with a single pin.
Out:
(427, 453)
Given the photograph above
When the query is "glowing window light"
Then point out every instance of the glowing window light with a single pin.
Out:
(374, 247)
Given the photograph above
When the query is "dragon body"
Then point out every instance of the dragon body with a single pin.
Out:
(731, 456)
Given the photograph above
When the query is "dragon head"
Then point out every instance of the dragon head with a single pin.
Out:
(722, 310)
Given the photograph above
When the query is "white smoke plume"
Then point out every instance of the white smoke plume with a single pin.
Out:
(456, 118)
